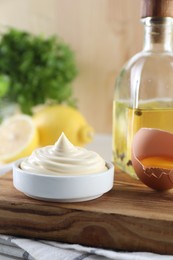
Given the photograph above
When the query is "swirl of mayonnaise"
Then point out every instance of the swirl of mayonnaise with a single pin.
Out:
(63, 158)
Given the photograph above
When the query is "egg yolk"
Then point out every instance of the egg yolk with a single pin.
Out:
(158, 162)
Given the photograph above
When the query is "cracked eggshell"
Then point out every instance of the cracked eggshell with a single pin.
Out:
(150, 142)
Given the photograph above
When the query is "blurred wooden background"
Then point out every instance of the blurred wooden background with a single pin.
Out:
(103, 33)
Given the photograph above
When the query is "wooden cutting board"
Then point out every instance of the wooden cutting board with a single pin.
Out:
(130, 217)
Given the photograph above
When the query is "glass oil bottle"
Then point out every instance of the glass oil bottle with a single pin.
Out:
(144, 88)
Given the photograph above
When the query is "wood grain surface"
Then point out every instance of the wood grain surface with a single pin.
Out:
(130, 217)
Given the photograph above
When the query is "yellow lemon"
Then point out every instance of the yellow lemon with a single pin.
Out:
(52, 120)
(18, 137)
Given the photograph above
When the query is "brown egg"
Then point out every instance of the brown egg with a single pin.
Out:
(149, 144)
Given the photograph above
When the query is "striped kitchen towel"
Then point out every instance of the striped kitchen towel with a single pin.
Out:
(30, 249)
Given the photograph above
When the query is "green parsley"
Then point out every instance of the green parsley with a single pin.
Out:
(34, 70)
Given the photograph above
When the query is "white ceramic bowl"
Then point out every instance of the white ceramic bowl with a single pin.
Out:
(63, 188)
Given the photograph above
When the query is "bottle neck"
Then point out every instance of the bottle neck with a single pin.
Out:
(158, 36)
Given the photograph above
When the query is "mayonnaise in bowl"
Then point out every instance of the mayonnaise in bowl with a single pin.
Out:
(63, 158)
(64, 173)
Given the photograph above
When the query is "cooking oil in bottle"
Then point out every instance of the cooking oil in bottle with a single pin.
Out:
(151, 114)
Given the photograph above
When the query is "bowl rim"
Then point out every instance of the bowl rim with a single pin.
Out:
(16, 166)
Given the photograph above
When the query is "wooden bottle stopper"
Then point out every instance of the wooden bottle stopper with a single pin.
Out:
(157, 8)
